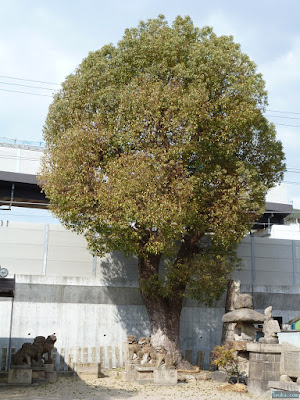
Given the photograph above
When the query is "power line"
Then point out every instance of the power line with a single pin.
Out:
(295, 126)
(277, 116)
(284, 112)
(28, 80)
(33, 94)
(29, 86)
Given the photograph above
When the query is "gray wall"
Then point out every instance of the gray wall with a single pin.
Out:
(92, 304)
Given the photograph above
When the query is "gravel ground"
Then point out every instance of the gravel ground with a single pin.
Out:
(109, 388)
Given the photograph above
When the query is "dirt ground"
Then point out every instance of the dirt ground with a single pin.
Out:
(108, 388)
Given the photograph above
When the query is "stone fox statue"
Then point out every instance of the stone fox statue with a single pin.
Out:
(32, 353)
(46, 346)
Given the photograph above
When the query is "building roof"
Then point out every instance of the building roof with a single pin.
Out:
(21, 190)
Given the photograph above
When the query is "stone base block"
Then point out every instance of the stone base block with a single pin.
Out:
(219, 376)
(86, 371)
(51, 376)
(130, 372)
(48, 367)
(144, 374)
(20, 376)
(166, 377)
(38, 373)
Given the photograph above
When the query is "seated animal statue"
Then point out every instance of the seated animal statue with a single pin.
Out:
(31, 354)
(134, 349)
(24, 355)
(163, 358)
(46, 345)
(148, 351)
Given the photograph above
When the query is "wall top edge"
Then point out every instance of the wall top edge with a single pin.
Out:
(285, 289)
(69, 280)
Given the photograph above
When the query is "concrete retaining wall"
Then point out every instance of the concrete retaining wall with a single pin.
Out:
(92, 303)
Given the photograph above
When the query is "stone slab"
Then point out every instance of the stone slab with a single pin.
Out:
(144, 375)
(263, 347)
(20, 376)
(279, 385)
(38, 373)
(290, 360)
(166, 377)
(219, 376)
(87, 370)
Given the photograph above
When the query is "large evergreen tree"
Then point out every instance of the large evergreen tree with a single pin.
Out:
(158, 146)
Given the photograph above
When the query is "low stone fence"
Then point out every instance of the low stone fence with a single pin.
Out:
(109, 357)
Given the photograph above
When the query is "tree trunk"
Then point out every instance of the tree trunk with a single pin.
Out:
(164, 313)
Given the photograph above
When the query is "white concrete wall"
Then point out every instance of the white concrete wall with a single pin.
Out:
(18, 159)
(93, 304)
(39, 249)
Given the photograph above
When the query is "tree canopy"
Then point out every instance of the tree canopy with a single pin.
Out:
(159, 146)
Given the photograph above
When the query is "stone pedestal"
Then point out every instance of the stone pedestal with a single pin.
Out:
(166, 377)
(50, 374)
(86, 371)
(19, 374)
(144, 374)
(24, 374)
(290, 360)
(130, 372)
(264, 366)
(38, 373)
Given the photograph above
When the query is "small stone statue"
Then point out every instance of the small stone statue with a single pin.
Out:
(270, 328)
(163, 358)
(134, 349)
(31, 354)
(148, 351)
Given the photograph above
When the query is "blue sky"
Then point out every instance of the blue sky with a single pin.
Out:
(45, 40)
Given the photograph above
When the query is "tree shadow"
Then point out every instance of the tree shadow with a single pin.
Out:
(201, 326)
(66, 388)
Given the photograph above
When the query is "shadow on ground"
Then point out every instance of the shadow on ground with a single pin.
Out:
(67, 388)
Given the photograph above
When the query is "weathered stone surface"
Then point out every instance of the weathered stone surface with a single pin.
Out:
(243, 314)
(243, 300)
(87, 370)
(264, 366)
(165, 376)
(288, 386)
(20, 375)
(38, 373)
(130, 372)
(49, 367)
(144, 374)
(290, 360)
(238, 345)
(285, 378)
(270, 328)
(264, 348)
(51, 376)
(219, 376)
